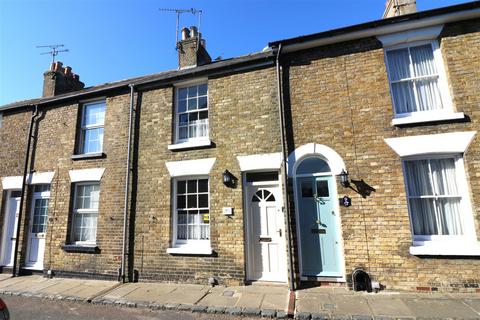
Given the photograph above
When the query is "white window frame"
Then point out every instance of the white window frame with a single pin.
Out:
(447, 112)
(195, 141)
(465, 244)
(82, 211)
(196, 247)
(83, 127)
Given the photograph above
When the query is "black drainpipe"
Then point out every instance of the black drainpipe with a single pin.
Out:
(127, 184)
(24, 186)
(281, 114)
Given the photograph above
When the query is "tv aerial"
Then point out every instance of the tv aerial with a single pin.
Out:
(178, 12)
(54, 50)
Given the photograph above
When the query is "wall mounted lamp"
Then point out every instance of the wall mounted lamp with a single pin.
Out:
(228, 178)
(344, 179)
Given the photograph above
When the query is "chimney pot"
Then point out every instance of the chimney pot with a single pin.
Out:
(193, 32)
(68, 71)
(185, 33)
(58, 66)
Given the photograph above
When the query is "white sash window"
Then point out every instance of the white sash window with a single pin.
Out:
(192, 209)
(434, 197)
(414, 79)
(85, 213)
(93, 120)
(192, 113)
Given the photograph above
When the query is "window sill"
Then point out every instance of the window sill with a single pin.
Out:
(442, 248)
(75, 248)
(191, 250)
(190, 144)
(97, 155)
(424, 117)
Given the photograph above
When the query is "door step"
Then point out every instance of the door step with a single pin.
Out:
(6, 270)
(29, 272)
(314, 282)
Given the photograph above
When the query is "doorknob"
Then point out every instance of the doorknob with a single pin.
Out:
(279, 232)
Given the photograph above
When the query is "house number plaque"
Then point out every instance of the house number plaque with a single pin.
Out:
(345, 201)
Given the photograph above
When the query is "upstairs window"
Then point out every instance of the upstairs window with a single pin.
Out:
(1, 120)
(191, 116)
(91, 135)
(414, 79)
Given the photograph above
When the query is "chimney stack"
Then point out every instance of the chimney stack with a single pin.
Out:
(60, 80)
(399, 7)
(192, 50)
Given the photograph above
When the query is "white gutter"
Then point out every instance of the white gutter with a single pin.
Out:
(376, 31)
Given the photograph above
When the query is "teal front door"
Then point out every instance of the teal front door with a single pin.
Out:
(318, 227)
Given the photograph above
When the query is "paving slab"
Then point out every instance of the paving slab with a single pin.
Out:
(186, 294)
(59, 287)
(474, 304)
(275, 302)
(213, 299)
(88, 289)
(262, 297)
(390, 307)
(350, 305)
(250, 300)
(21, 284)
(314, 301)
(43, 287)
(139, 292)
(4, 276)
(120, 291)
(429, 308)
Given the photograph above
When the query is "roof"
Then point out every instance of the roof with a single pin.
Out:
(377, 23)
(227, 65)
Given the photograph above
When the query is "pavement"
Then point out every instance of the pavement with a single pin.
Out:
(265, 300)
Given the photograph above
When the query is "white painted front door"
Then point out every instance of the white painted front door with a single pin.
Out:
(10, 228)
(38, 227)
(266, 243)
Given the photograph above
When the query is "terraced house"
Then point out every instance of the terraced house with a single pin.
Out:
(347, 157)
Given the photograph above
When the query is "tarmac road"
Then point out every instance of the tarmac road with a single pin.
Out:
(23, 308)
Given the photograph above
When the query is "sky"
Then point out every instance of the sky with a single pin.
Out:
(110, 40)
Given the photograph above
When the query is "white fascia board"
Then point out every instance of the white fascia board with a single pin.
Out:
(268, 161)
(443, 143)
(421, 34)
(86, 174)
(12, 183)
(394, 28)
(15, 182)
(190, 167)
(41, 177)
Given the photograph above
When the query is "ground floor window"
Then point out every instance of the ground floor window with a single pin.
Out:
(435, 191)
(85, 213)
(192, 212)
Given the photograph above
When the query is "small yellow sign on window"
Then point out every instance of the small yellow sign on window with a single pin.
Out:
(206, 218)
